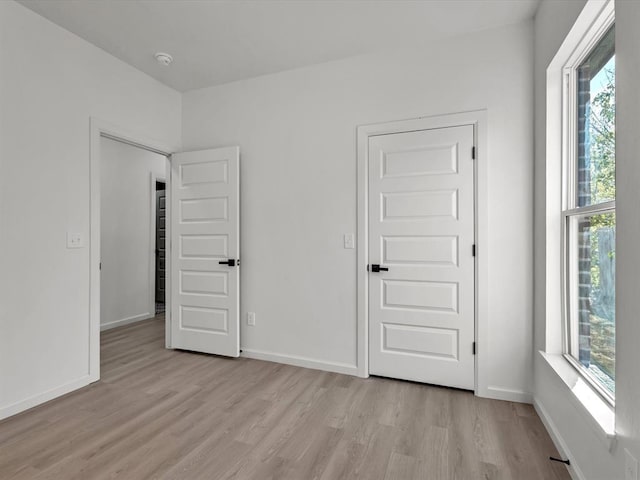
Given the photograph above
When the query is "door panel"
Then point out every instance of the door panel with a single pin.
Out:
(405, 206)
(204, 246)
(427, 296)
(425, 249)
(422, 341)
(204, 233)
(421, 227)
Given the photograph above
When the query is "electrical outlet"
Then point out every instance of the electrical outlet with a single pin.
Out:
(349, 240)
(630, 466)
(251, 319)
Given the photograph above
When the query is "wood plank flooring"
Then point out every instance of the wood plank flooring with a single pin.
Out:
(165, 414)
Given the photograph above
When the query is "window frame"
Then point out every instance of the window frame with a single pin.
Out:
(569, 207)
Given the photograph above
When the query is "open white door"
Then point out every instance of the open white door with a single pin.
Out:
(205, 274)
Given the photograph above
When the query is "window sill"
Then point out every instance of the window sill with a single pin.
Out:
(599, 414)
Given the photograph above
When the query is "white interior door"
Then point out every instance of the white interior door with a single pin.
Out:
(421, 228)
(205, 275)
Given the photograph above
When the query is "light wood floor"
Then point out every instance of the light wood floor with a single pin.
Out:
(174, 415)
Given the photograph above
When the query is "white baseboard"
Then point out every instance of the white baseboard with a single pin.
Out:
(40, 398)
(125, 321)
(301, 361)
(563, 449)
(508, 394)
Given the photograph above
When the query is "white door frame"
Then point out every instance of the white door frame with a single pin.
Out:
(100, 128)
(479, 120)
(152, 241)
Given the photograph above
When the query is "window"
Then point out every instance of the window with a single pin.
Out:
(589, 210)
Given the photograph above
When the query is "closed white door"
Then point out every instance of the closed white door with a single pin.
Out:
(421, 256)
(205, 274)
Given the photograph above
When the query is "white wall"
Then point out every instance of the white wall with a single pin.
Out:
(296, 132)
(126, 239)
(51, 83)
(586, 448)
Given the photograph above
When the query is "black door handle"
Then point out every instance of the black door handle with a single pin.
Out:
(377, 268)
(231, 263)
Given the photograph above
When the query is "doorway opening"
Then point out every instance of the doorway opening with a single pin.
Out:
(132, 233)
(101, 132)
(202, 221)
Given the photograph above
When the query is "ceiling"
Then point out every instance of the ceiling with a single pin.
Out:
(219, 41)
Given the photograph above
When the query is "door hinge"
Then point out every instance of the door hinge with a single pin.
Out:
(473, 250)
(100, 266)
(474, 348)
(473, 152)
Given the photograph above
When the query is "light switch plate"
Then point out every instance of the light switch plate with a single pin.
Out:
(74, 240)
(630, 466)
(349, 240)
(251, 319)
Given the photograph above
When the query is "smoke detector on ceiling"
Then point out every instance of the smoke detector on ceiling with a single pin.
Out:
(163, 58)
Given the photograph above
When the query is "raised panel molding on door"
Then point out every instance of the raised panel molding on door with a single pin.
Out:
(421, 230)
(204, 236)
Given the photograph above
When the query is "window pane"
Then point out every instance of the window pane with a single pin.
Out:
(596, 124)
(596, 291)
